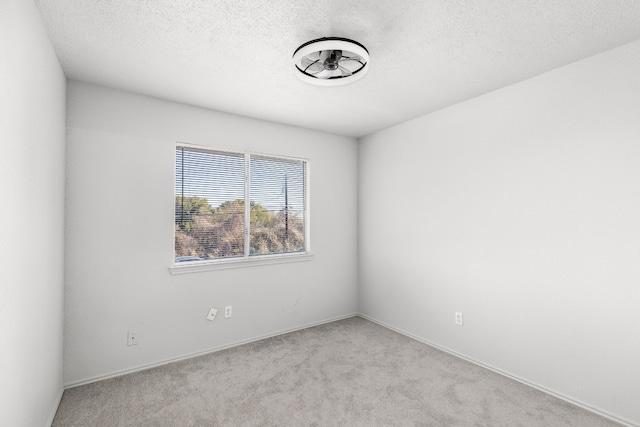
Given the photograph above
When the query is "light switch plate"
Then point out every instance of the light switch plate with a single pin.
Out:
(212, 314)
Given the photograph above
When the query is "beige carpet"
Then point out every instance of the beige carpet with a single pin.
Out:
(346, 373)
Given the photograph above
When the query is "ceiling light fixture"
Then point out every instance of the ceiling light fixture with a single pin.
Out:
(331, 61)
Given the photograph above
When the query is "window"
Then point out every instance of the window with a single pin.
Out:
(238, 206)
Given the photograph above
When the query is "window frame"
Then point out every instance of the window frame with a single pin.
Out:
(247, 260)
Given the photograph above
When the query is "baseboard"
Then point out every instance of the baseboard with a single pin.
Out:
(55, 407)
(199, 353)
(506, 374)
(334, 319)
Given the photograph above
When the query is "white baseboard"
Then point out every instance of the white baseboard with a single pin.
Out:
(199, 353)
(334, 319)
(505, 374)
(52, 415)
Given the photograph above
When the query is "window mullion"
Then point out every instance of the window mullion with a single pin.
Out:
(247, 205)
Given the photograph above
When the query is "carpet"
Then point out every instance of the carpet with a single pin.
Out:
(352, 372)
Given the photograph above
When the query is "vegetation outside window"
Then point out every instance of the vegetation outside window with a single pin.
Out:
(238, 205)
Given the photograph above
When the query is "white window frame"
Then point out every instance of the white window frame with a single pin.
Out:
(248, 260)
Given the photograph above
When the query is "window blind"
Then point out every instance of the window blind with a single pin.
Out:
(277, 205)
(211, 191)
(209, 205)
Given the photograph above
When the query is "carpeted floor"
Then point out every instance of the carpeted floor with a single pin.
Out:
(347, 373)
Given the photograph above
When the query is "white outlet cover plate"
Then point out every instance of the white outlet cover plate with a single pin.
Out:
(459, 319)
(228, 312)
(132, 338)
(212, 314)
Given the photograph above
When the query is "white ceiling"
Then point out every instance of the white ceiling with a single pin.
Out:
(235, 55)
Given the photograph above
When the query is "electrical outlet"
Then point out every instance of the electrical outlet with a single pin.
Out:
(228, 312)
(132, 338)
(212, 314)
(458, 319)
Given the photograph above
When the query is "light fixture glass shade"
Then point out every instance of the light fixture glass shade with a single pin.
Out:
(331, 61)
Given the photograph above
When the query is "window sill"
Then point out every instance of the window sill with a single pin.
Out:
(196, 267)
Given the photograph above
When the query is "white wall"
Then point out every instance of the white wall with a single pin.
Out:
(520, 209)
(32, 134)
(120, 167)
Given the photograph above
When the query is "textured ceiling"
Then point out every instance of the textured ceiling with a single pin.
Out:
(235, 55)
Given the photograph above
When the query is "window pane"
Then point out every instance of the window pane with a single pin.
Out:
(209, 205)
(277, 205)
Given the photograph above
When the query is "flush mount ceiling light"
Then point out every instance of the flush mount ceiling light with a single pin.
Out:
(331, 61)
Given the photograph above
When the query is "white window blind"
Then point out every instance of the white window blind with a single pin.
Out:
(212, 217)
(277, 205)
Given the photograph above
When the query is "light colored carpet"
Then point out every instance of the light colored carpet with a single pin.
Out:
(347, 373)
